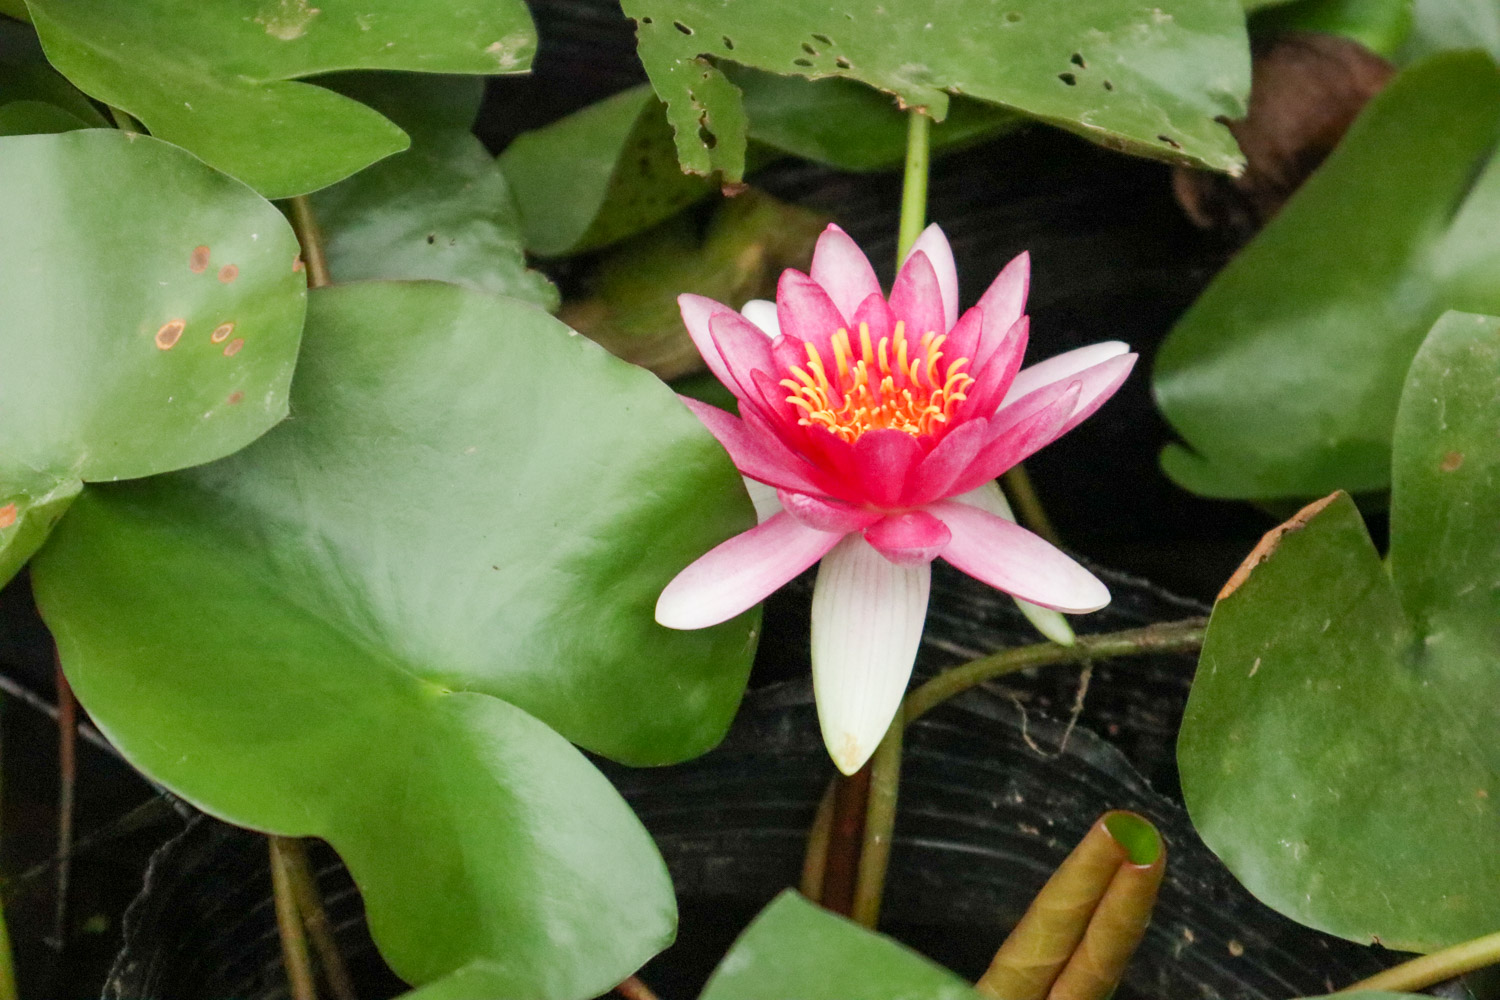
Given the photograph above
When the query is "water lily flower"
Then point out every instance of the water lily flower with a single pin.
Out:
(870, 433)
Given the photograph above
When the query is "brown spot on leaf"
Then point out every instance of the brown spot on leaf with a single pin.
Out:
(1266, 547)
(169, 334)
(235, 397)
(233, 347)
(1480, 793)
(297, 263)
(221, 333)
(228, 273)
(7, 516)
(1451, 461)
(198, 262)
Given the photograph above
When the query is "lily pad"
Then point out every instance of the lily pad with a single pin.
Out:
(373, 625)
(441, 210)
(224, 78)
(25, 78)
(1283, 378)
(1150, 80)
(797, 949)
(1336, 751)
(150, 314)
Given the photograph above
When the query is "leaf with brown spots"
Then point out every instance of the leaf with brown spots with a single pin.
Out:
(1338, 749)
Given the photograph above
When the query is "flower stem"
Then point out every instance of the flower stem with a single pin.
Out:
(315, 919)
(816, 859)
(1428, 970)
(294, 955)
(851, 798)
(124, 121)
(1028, 505)
(880, 824)
(67, 782)
(914, 184)
(305, 225)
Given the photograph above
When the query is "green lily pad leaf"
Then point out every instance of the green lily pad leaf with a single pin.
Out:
(37, 118)
(224, 78)
(454, 551)
(1283, 378)
(1148, 80)
(28, 510)
(797, 949)
(1379, 25)
(1335, 751)
(440, 210)
(150, 316)
(25, 77)
(1447, 25)
(599, 175)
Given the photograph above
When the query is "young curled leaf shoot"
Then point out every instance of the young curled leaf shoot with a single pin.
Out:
(870, 433)
(1076, 938)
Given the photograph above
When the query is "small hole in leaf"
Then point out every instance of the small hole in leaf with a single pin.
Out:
(809, 49)
(431, 238)
(728, 42)
(843, 63)
(801, 62)
(646, 20)
(1014, 17)
(822, 38)
(1068, 78)
(706, 137)
(1108, 85)
(1077, 60)
(1170, 141)
(682, 27)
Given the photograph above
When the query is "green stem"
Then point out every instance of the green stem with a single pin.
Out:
(1028, 505)
(1428, 970)
(304, 884)
(305, 225)
(124, 121)
(294, 956)
(914, 185)
(1167, 637)
(880, 824)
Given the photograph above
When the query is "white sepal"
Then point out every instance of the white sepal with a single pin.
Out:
(867, 617)
(767, 504)
(762, 312)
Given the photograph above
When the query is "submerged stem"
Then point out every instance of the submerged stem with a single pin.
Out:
(67, 783)
(1428, 970)
(815, 860)
(914, 184)
(294, 955)
(1028, 505)
(880, 824)
(305, 225)
(310, 905)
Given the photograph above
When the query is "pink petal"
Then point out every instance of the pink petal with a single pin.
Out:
(1005, 299)
(938, 470)
(934, 244)
(757, 455)
(917, 298)
(997, 369)
(909, 539)
(843, 270)
(1062, 366)
(744, 347)
(964, 339)
(883, 459)
(741, 572)
(1099, 382)
(697, 311)
(805, 311)
(1019, 432)
(877, 314)
(825, 515)
(1010, 558)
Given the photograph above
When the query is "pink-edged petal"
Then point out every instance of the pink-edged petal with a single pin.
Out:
(805, 311)
(883, 460)
(999, 366)
(1005, 299)
(764, 498)
(1097, 384)
(875, 313)
(762, 312)
(826, 515)
(917, 298)
(941, 467)
(909, 539)
(755, 454)
(934, 244)
(696, 313)
(744, 347)
(964, 339)
(842, 268)
(1062, 366)
(1050, 623)
(740, 573)
(1018, 432)
(1010, 558)
(867, 617)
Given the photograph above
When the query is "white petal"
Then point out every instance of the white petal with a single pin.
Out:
(767, 504)
(762, 312)
(1052, 624)
(1057, 368)
(867, 616)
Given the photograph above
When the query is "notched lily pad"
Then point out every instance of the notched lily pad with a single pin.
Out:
(1335, 751)
(150, 314)
(225, 78)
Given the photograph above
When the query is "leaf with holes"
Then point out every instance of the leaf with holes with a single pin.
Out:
(453, 550)
(224, 78)
(798, 949)
(1337, 749)
(1148, 80)
(150, 313)
(440, 210)
(1283, 378)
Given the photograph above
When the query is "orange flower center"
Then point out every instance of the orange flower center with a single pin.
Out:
(880, 386)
